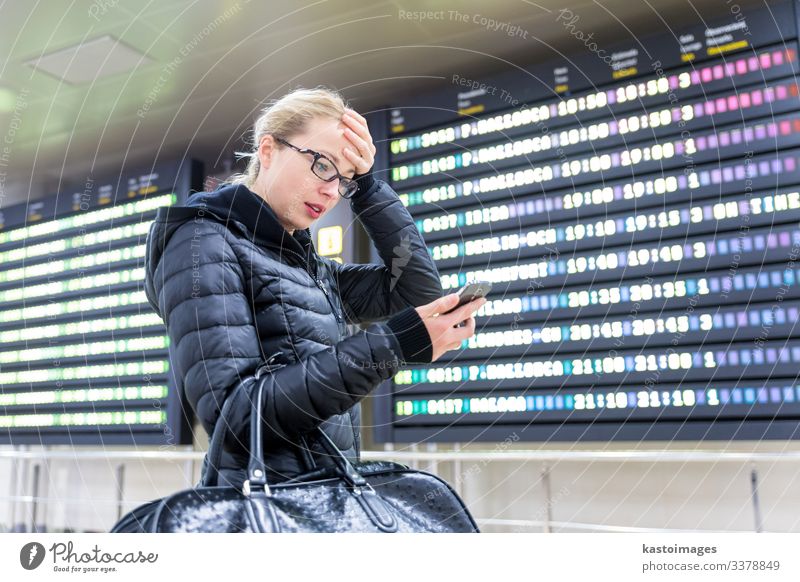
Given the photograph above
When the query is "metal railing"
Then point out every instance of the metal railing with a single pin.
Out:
(412, 458)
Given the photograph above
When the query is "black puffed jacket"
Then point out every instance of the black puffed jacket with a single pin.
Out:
(233, 288)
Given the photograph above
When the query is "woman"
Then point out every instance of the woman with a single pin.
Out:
(235, 278)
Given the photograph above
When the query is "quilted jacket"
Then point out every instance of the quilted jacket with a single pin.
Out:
(233, 288)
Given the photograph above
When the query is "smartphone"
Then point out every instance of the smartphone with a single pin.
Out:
(470, 292)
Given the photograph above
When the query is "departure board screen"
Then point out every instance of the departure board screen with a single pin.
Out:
(640, 227)
(83, 357)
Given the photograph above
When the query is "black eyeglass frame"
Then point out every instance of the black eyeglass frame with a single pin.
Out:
(343, 180)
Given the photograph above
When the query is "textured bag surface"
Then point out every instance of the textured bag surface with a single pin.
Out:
(365, 497)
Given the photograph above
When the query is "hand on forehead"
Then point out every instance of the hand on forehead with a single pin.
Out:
(346, 141)
(361, 150)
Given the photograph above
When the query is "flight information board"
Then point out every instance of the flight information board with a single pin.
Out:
(83, 357)
(640, 226)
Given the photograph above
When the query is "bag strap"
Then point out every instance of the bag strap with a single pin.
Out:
(345, 468)
(256, 467)
(213, 458)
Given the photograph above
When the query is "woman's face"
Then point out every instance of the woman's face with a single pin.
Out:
(286, 181)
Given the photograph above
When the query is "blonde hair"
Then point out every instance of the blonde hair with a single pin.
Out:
(285, 118)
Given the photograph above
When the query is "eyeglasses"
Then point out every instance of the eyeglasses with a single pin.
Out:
(324, 169)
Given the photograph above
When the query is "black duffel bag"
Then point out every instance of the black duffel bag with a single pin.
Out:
(363, 497)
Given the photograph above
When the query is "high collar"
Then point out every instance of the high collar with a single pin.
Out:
(238, 204)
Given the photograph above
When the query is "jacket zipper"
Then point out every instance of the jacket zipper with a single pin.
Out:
(321, 285)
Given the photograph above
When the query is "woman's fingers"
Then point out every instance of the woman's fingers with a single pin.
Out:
(357, 132)
(469, 326)
(438, 305)
(356, 116)
(444, 334)
(355, 129)
(457, 335)
(466, 310)
(359, 143)
(362, 160)
(361, 165)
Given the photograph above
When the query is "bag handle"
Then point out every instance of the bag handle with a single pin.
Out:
(343, 464)
(213, 458)
(256, 467)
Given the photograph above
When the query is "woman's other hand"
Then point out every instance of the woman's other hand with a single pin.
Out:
(445, 336)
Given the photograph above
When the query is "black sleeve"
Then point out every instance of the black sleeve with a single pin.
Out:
(408, 276)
